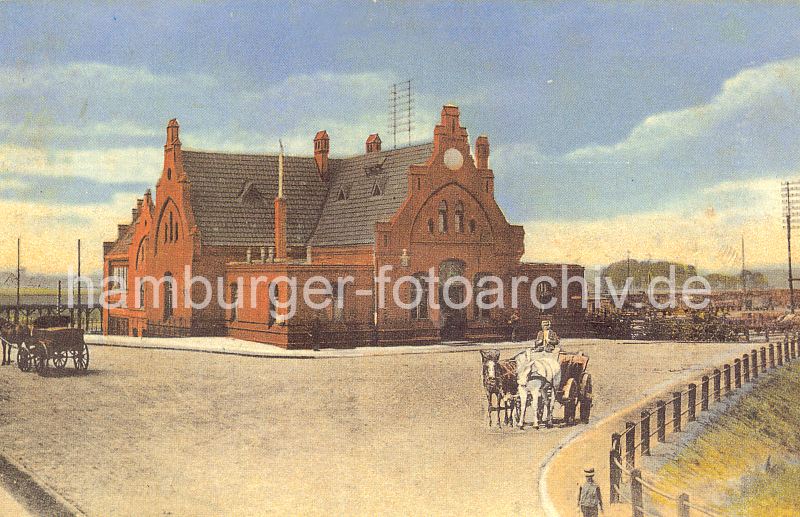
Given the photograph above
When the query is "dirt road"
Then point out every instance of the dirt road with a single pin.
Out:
(151, 432)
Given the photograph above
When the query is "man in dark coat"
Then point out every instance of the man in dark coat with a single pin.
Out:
(546, 339)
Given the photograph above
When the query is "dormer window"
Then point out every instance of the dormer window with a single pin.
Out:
(341, 195)
(376, 190)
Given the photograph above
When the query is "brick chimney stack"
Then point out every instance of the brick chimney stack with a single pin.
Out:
(482, 152)
(321, 148)
(373, 143)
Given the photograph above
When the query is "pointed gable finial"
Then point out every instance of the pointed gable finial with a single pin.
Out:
(280, 171)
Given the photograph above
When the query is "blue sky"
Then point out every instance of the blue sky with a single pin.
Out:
(660, 129)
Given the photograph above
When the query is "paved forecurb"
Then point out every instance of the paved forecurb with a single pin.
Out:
(155, 432)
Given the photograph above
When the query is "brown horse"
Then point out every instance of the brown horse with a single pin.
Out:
(500, 383)
(12, 335)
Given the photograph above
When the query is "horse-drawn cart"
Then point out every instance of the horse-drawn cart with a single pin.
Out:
(565, 381)
(56, 345)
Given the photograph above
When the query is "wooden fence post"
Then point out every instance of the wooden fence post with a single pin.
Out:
(754, 357)
(763, 359)
(772, 355)
(630, 445)
(746, 367)
(717, 375)
(786, 357)
(637, 501)
(726, 373)
(644, 432)
(683, 505)
(794, 347)
(676, 411)
(704, 394)
(661, 420)
(615, 474)
(737, 373)
(692, 403)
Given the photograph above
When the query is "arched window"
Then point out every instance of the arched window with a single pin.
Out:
(337, 303)
(420, 311)
(234, 290)
(169, 301)
(430, 226)
(459, 217)
(482, 313)
(169, 173)
(166, 232)
(176, 231)
(140, 301)
(171, 228)
(443, 217)
(472, 226)
(272, 295)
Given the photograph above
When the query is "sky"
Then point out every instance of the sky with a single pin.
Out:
(660, 129)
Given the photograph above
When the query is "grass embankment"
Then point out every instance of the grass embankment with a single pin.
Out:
(747, 462)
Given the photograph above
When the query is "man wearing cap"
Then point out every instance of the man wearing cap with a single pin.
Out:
(589, 499)
(547, 339)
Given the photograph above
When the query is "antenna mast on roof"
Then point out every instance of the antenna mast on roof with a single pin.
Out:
(401, 111)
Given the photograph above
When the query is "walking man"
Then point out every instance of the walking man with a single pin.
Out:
(589, 500)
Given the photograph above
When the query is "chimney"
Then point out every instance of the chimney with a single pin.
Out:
(482, 152)
(321, 148)
(280, 212)
(121, 229)
(172, 134)
(373, 143)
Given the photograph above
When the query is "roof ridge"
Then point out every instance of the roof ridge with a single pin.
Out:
(232, 153)
(307, 157)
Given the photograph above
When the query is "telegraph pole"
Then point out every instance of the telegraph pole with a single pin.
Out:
(792, 189)
(16, 313)
(80, 319)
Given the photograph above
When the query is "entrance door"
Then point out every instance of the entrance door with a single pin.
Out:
(453, 319)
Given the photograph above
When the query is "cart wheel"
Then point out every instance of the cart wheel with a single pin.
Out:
(24, 358)
(41, 358)
(60, 360)
(81, 358)
(569, 397)
(586, 397)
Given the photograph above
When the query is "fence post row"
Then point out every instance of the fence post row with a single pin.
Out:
(630, 445)
(692, 404)
(615, 474)
(704, 394)
(726, 373)
(676, 411)
(737, 373)
(661, 420)
(746, 367)
(637, 501)
(644, 431)
(717, 375)
(763, 359)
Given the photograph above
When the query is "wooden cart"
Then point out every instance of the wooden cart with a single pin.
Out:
(56, 345)
(575, 392)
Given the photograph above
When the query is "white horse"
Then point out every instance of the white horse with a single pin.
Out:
(538, 374)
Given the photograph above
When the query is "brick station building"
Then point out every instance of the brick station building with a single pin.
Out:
(235, 218)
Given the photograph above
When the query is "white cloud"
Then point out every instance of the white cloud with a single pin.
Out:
(102, 165)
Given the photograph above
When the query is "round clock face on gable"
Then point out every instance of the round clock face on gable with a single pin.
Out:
(453, 159)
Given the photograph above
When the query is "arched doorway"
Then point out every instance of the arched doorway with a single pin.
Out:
(453, 317)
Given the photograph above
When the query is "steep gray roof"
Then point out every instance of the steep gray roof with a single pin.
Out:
(233, 197)
(352, 220)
